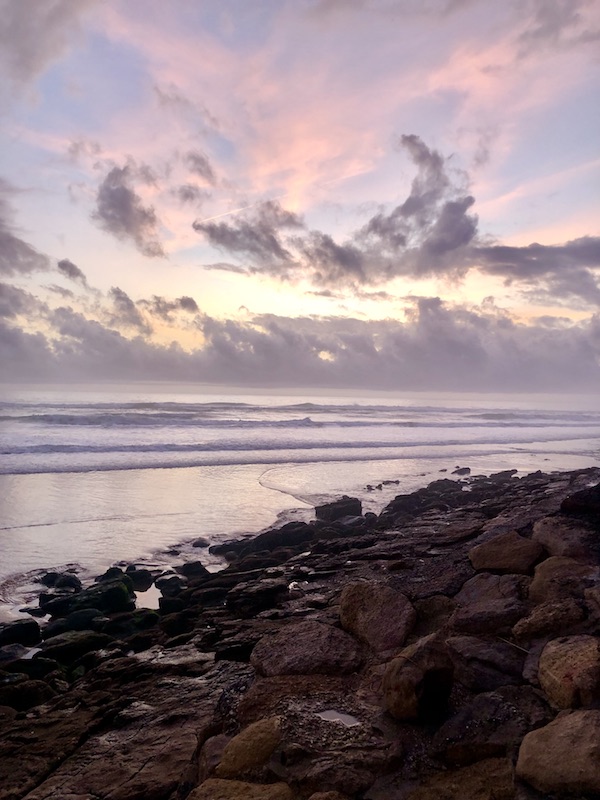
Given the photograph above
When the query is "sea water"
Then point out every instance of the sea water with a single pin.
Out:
(90, 476)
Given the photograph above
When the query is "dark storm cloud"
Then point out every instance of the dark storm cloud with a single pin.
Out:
(72, 271)
(199, 164)
(257, 235)
(17, 257)
(126, 312)
(34, 34)
(120, 211)
(163, 308)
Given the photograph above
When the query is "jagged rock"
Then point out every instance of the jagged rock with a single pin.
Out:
(418, 682)
(562, 536)
(487, 603)
(69, 646)
(377, 614)
(483, 665)
(492, 725)
(491, 779)
(345, 507)
(25, 631)
(558, 578)
(250, 749)
(507, 552)
(218, 789)
(253, 597)
(564, 756)
(569, 671)
(305, 648)
(552, 617)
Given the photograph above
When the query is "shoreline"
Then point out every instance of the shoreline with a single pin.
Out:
(376, 656)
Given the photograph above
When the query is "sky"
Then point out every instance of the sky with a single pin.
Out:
(382, 194)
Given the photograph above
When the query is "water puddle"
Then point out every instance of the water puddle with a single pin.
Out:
(149, 598)
(331, 715)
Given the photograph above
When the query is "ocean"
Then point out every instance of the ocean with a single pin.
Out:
(92, 476)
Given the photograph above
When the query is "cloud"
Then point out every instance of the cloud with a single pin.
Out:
(120, 211)
(126, 312)
(557, 23)
(163, 308)
(199, 164)
(17, 257)
(15, 301)
(190, 193)
(72, 271)
(33, 35)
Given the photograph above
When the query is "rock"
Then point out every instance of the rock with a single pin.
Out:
(250, 749)
(268, 695)
(129, 623)
(585, 503)
(552, 617)
(306, 648)
(171, 585)
(141, 579)
(201, 541)
(107, 596)
(24, 694)
(461, 471)
(12, 652)
(483, 665)
(487, 603)
(218, 789)
(328, 796)
(345, 507)
(558, 578)
(252, 597)
(418, 682)
(194, 569)
(564, 756)
(492, 725)
(67, 580)
(26, 632)
(68, 647)
(210, 755)
(563, 536)
(432, 614)
(113, 574)
(569, 671)
(507, 552)
(377, 614)
(491, 779)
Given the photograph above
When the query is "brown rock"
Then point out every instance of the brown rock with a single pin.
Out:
(483, 665)
(552, 617)
(569, 671)
(489, 602)
(508, 552)
(490, 779)
(217, 789)
(562, 536)
(418, 682)
(432, 614)
(251, 748)
(377, 614)
(328, 796)
(558, 577)
(306, 648)
(563, 756)
(266, 695)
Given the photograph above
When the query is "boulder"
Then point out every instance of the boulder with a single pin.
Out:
(507, 553)
(377, 614)
(250, 749)
(552, 617)
(218, 789)
(563, 536)
(564, 756)
(23, 631)
(483, 665)
(306, 648)
(569, 671)
(585, 503)
(68, 647)
(345, 507)
(24, 694)
(418, 682)
(492, 725)
(490, 779)
(559, 577)
(141, 579)
(194, 570)
(487, 603)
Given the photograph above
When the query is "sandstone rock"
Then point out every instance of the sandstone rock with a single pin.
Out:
(491, 779)
(345, 507)
(418, 682)
(218, 789)
(304, 648)
(508, 552)
(25, 631)
(483, 665)
(569, 671)
(377, 614)
(251, 748)
(487, 603)
(552, 617)
(564, 756)
(562, 536)
(492, 725)
(559, 577)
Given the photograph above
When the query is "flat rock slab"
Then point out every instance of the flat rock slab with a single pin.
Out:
(377, 614)
(489, 602)
(306, 648)
(564, 756)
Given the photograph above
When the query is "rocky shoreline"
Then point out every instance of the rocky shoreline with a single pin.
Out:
(446, 648)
